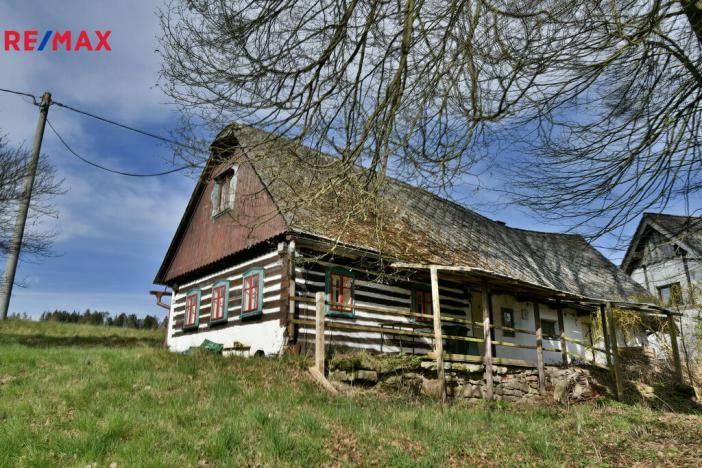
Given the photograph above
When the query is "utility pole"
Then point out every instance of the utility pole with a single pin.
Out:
(8, 278)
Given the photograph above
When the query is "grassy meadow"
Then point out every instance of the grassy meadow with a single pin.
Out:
(76, 395)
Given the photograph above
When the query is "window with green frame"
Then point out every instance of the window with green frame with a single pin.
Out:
(339, 290)
(219, 302)
(252, 293)
(192, 309)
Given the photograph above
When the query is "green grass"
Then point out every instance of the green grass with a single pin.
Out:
(68, 400)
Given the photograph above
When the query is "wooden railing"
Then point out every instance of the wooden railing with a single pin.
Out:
(321, 323)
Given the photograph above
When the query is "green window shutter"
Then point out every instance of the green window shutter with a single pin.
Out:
(232, 187)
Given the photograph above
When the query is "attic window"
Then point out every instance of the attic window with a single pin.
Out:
(224, 191)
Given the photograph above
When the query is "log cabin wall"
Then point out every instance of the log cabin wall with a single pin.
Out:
(310, 277)
(262, 333)
(457, 300)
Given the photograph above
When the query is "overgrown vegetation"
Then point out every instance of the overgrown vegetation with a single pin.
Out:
(90, 403)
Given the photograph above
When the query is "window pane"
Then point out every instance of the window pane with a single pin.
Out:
(251, 293)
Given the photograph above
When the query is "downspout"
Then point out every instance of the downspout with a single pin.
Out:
(159, 295)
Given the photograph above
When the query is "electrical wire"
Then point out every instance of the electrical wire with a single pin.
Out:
(20, 93)
(114, 171)
(109, 121)
(127, 127)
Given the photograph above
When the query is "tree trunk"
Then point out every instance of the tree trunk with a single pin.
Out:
(693, 11)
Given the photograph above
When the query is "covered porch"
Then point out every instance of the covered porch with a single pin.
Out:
(486, 348)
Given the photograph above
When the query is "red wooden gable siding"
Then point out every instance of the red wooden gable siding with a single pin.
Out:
(254, 219)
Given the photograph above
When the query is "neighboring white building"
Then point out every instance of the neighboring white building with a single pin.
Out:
(665, 256)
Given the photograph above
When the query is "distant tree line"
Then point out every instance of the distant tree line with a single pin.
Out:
(97, 317)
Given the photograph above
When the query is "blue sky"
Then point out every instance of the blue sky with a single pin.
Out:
(113, 231)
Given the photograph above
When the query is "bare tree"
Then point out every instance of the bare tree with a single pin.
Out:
(602, 98)
(13, 168)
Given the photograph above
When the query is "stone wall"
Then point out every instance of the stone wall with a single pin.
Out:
(463, 381)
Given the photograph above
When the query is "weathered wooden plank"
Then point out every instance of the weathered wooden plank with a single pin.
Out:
(674, 348)
(561, 329)
(615, 352)
(319, 334)
(605, 336)
(339, 325)
(438, 338)
(322, 380)
(539, 349)
(388, 311)
(487, 340)
(583, 344)
(478, 359)
(509, 344)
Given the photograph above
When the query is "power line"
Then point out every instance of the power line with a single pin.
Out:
(127, 127)
(114, 171)
(20, 93)
(110, 121)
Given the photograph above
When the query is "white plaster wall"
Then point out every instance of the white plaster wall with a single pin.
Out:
(575, 327)
(266, 336)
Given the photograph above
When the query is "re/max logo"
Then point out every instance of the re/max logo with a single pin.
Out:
(56, 40)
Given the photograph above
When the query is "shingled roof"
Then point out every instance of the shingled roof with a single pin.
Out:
(686, 231)
(418, 226)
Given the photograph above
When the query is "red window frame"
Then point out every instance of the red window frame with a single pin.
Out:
(340, 287)
(252, 286)
(423, 305)
(219, 296)
(191, 304)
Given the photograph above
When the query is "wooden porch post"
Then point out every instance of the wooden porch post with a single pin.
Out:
(438, 340)
(605, 338)
(539, 348)
(592, 344)
(674, 347)
(487, 343)
(561, 328)
(615, 352)
(319, 333)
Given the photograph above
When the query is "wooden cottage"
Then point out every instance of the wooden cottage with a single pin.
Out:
(263, 234)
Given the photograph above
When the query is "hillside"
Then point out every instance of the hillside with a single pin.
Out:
(80, 395)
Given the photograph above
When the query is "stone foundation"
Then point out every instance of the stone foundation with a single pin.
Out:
(408, 374)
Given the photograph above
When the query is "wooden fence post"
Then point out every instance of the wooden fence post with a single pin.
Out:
(674, 347)
(487, 342)
(539, 348)
(605, 338)
(319, 333)
(615, 352)
(561, 329)
(438, 340)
